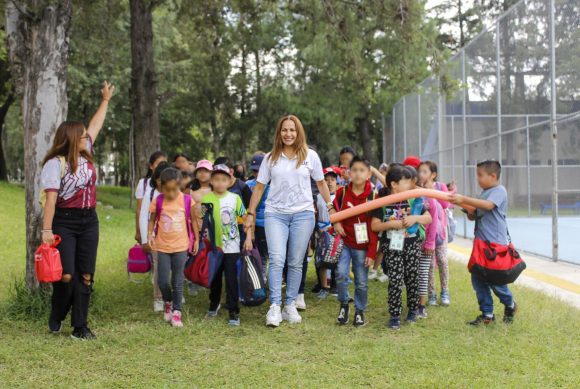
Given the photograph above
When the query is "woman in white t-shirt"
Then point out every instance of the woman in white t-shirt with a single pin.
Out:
(145, 193)
(289, 217)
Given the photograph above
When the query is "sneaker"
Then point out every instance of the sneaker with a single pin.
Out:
(422, 313)
(274, 317)
(290, 314)
(324, 293)
(412, 317)
(316, 288)
(158, 306)
(482, 319)
(54, 326)
(334, 292)
(211, 313)
(432, 300)
(445, 300)
(509, 313)
(300, 303)
(176, 319)
(373, 275)
(167, 312)
(359, 319)
(383, 278)
(342, 317)
(83, 333)
(395, 323)
(234, 319)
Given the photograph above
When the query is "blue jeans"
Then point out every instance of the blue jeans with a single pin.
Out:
(291, 234)
(361, 276)
(484, 298)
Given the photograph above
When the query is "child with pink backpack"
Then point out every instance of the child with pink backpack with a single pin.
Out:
(172, 234)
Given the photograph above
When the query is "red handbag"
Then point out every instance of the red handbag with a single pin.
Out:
(47, 263)
(495, 263)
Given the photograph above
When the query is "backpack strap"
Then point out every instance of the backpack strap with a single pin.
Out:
(340, 197)
(158, 209)
(187, 204)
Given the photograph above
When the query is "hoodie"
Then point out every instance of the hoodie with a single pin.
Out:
(351, 200)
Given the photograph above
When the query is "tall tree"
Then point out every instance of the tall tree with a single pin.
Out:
(144, 98)
(38, 37)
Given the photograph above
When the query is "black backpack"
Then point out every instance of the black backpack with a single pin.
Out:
(251, 283)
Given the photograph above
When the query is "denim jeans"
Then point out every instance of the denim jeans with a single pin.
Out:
(288, 237)
(484, 298)
(361, 275)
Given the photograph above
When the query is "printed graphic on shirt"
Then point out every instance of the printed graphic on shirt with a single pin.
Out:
(172, 222)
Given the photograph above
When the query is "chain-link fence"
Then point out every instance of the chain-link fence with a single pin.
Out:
(494, 100)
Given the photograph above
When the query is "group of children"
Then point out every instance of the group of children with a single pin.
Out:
(405, 240)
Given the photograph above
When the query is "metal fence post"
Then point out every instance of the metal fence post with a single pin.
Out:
(529, 173)
(404, 127)
(498, 89)
(554, 131)
(394, 136)
(464, 121)
(419, 122)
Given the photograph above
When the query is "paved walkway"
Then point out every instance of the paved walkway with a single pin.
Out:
(557, 279)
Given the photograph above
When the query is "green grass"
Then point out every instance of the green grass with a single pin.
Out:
(135, 348)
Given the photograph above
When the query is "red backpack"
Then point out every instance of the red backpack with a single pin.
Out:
(202, 268)
(495, 263)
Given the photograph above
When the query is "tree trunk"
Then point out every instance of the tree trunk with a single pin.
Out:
(144, 102)
(3, 112)
(363, 126)
(38, 39)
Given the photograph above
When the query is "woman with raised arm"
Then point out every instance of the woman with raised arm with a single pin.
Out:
(69, 179)
(289, 217)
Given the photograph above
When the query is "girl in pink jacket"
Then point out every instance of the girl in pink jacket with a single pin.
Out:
(428, 178)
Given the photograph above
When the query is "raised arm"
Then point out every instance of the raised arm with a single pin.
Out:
(98, 118)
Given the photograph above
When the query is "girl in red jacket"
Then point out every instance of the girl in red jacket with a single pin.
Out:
(360, 242)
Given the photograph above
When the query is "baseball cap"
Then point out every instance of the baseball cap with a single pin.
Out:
(256, 161)
(332, 170)
(223, 169)
(413, 161)
(204, 164)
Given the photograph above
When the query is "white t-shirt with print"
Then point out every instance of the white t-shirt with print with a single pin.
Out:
(143, 193)
(290, 190)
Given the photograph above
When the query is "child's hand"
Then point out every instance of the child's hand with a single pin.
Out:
(146, 247)
(248, 245)
(408, 221)
(338, 228)
(195, 247)
(369, 262)
(456, 199)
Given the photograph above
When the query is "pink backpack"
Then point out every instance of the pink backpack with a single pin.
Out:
(138, 261)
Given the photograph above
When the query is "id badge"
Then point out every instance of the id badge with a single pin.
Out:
(397, 240)
(361, 233)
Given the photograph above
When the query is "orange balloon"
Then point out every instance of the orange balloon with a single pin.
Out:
(391, 199)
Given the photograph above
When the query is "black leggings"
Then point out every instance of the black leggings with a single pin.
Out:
(79, 231)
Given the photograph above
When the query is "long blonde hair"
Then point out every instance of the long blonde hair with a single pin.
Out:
(300, 145)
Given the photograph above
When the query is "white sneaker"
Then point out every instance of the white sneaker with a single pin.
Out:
(383, 278)
(274, 317)
(300, 303)
(158, 306)
(290, 314)
(372, 275)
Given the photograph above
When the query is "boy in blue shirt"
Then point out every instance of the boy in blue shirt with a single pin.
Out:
(490, 225)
